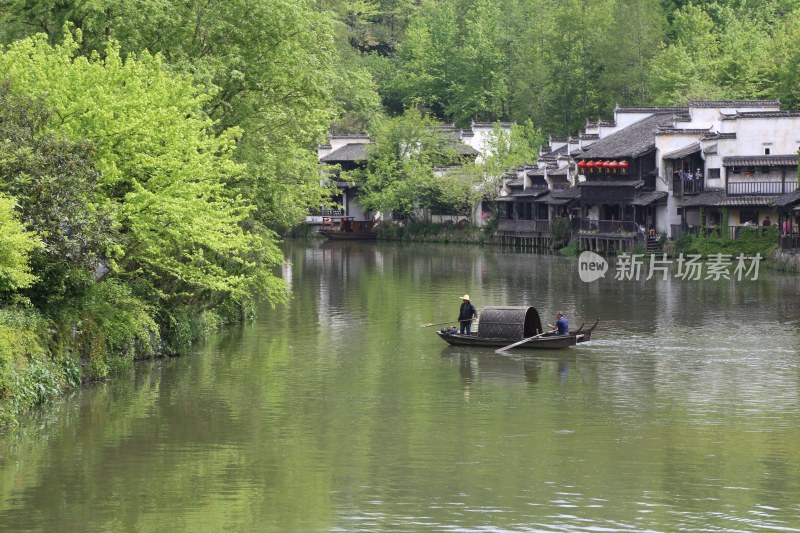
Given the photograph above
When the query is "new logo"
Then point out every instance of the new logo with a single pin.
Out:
(591, 266)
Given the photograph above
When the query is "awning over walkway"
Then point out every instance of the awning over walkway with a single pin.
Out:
(647, 198)
(791, 199)
(686, 151)
(720, 199)
(760, 161)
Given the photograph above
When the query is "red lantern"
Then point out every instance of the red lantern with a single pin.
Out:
(606, 164)
(581, 164)
(613, 166)
(623, 166)
(589, 164)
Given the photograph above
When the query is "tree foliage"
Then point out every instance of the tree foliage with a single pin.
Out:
(16, 245)
(400, 176)
(164, 174)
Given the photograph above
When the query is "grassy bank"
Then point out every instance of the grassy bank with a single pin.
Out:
(42, 357)
(427, 232)
(751, 241)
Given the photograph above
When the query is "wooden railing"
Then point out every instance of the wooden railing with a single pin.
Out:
(327, 212)
(731, 232)
(756, 188)
(682, 187)
(790, 242)
(523, 226)
(608, 226)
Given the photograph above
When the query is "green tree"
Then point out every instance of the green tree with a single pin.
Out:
(684, 70)
(16, 245)
(165, 177)
(268, 67)
(503, 152)
(400, 174)
(55, 182)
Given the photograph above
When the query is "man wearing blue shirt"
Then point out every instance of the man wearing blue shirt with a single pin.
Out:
(561, 324)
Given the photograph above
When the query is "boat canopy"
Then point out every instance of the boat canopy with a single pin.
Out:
(512, 323)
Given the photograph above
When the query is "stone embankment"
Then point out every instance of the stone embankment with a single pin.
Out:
(786, 261)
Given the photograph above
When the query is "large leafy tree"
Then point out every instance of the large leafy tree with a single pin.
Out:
(400, 176)
(269, 67)
(165, 175)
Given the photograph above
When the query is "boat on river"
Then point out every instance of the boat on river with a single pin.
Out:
(503, 326)
(348, 228)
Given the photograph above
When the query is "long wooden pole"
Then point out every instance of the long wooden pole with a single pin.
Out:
(523, 341)
(443, 323)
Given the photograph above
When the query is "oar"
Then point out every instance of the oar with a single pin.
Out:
(523, 341)
(437, 324)
(442, 323)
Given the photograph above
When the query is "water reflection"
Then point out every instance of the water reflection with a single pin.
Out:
(338, 412)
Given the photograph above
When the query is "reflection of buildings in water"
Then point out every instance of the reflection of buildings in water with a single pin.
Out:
(286, 273)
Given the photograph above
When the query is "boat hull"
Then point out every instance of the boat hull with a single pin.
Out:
(336, 235)
(542, 343)
(548, 341)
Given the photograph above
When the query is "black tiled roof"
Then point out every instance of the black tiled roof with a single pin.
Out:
(647, 198)
(683, 152)
(718, 198)
(560, 196)
(678, 131)
(716, 135)
(707, 198)
(788, 200)
(612, 183)
(348, 152)
(736, 103)
(788, 160)
(529, 193)
(636, 140)
(657, 109)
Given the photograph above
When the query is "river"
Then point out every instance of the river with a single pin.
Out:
(337, 412)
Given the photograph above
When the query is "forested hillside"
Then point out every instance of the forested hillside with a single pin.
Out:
(562, 62)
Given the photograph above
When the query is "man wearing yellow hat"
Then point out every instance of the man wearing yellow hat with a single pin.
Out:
(465, 315)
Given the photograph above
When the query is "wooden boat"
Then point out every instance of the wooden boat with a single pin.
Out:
(502, 326)
(347, 228)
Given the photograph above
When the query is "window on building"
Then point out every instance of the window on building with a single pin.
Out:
(713, 173)
(766, 151)
(748, 215)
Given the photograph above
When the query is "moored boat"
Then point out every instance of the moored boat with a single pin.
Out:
(502, 326)
(347, 228)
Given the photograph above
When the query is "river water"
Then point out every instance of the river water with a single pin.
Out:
(337, 412)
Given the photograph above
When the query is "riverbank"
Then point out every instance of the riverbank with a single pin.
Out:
(785, 261)
(42, 358)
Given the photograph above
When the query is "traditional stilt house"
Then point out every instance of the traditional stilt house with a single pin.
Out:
(744, 161)
(618, 180)
(344, 153)
(535, 196)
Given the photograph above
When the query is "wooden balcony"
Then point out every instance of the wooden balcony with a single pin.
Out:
(759, 188)
(608, 227)
(684, 187)
(520, 227)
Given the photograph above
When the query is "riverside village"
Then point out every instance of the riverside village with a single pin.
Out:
(633, 181)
